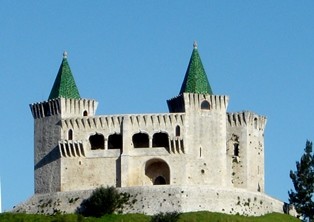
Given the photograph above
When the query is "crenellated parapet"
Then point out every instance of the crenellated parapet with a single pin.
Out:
(94, 122)
(187, 101)
(64, 107)
(216, 102)
(70, 148)
(246, 118)
(46, 108)
(165, 120)
(78, 107)
(176, 104)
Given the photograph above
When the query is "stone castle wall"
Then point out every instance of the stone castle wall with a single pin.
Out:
(154, 199)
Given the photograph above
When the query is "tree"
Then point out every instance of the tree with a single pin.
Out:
(303, 182)
(104, 201)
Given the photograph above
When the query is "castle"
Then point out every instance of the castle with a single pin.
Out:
(196, 157)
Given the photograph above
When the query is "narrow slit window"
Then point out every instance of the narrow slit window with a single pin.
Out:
(236, 149)
(255, 123)
(70, 134)
(178, 131)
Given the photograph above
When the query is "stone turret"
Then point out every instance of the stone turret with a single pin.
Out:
(205, 116)
(64, 101)
(195, 82)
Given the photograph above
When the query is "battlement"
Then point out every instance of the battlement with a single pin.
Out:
(186, 101)
(79, 107)
(70, 148)
(93, 122)
(157, 120)
(64, 107)
(216, 102)
(45, 109)
(246, 118)
(114, 122)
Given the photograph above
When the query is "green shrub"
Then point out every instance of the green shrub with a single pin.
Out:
(104, 201)
(166, 217)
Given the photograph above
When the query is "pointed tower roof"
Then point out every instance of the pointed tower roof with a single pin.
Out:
(64, 85)
(195, 80)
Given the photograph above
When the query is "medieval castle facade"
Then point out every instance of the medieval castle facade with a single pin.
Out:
(198, 148)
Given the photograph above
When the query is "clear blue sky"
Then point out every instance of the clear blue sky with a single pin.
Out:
(131, 56)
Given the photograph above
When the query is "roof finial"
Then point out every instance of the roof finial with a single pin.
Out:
(65, 54)
(195, 44)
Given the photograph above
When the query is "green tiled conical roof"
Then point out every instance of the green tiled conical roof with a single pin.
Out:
(64, 85)
(195, 80)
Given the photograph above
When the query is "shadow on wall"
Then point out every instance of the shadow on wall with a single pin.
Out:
(53, 155)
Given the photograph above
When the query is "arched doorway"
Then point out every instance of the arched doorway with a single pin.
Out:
(160, 180)
(158, 171)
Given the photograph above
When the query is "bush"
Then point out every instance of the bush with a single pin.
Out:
(104, 201)
(166, 217)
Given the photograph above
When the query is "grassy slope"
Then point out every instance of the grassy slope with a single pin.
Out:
(186, 217)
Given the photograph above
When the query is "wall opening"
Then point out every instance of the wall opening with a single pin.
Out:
(178, 132)
(97, 141)
(160, 180)
(140, 140)
(255, 123)
(236, 149)
(46, 109)
(205, 105)
(115, 141)
(85, 113)
(158, 171)
(70, 134)
(161, 140)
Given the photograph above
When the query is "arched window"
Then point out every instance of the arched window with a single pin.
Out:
(97, 141)
(115, 141)
(70, 134)
(178, 131)
(140, 140)
(205, 105)
(85, 113)
(161, 140)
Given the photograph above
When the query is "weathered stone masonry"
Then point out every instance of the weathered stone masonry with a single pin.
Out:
(199, 155)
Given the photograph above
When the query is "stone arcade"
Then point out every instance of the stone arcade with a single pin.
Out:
(200, 156)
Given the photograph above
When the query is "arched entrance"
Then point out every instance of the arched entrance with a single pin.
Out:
(158, 171)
